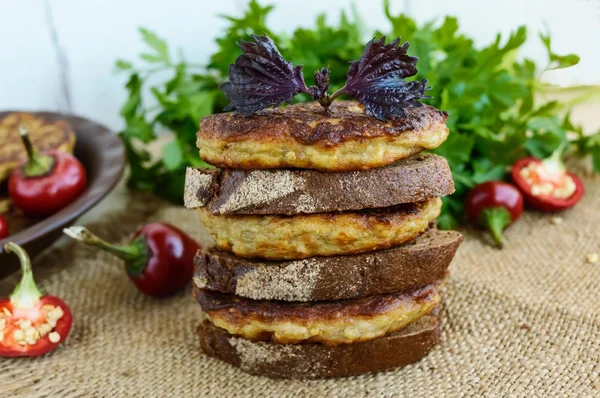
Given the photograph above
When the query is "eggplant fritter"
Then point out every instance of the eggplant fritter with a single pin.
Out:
(321, 234)
(327, 322)
(305, 136)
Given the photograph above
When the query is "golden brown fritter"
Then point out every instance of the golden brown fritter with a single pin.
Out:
(327, 322)
(305, 136)
(44, 136)
(321, 234)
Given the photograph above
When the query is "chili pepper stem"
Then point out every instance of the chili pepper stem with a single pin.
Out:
(495, 220)
(554, 162)
(126, 252)
(24, 133)
(26, 294)
(37, 165)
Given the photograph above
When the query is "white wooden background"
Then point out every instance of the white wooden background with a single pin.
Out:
(59, 54)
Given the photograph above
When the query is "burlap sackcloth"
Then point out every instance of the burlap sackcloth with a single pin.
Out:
(522, 321)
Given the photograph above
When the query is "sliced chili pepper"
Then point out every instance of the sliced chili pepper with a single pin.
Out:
(3, 228)
(31, 324)
(494, 205)
(159, 260)
(546, 184)
(47, 182)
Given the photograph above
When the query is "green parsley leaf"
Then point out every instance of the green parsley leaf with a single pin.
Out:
(172, 155)
(157, 44)
(123, 65)
(558, 61)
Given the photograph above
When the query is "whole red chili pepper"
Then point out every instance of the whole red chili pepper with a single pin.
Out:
(3, 228)
(494, 205)
(546, 184)
(159, 260)
(47, 182)
(31, 324)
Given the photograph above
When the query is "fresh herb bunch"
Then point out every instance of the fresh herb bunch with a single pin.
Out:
(488, 93)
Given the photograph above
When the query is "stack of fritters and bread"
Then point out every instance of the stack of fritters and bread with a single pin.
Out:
(326, 259)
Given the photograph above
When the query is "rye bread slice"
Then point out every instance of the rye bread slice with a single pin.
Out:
(313, 360)
(421, 262)
(284, 191)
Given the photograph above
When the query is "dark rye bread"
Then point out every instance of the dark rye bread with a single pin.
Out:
(283, 191)
(406, 267)
(314, 360)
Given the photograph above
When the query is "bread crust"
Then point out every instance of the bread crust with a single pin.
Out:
(289, 192)
(313, 360)
(323, 234)
(305, 136)
(44, 136)
(406, 267)
(327, 322)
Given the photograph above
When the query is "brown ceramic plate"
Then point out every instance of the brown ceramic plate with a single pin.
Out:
(103, 156)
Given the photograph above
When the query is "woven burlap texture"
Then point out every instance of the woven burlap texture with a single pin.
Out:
(522, 321)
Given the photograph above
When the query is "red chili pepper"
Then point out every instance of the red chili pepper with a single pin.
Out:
(546, 184)
(159, 260)
(3, 228)
(494, 205)
(31, 324)
(47, 182)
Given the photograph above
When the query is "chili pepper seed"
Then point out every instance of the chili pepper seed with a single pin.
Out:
(26, 324)
(54, 337)
(556, 220)
(47, 307)
(55, 314)
(44, 329)
(19, 334)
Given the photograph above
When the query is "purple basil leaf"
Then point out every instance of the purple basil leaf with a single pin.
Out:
(321, 83)
(261, 77)
(376, 80)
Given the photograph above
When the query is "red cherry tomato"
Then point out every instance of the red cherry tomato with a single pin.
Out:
(159, 260)
(49, 192)
(31, 324)
(494, 205)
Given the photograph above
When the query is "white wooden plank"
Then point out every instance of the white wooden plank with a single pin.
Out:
(29, 76)
(96, 33)
(575, 27)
